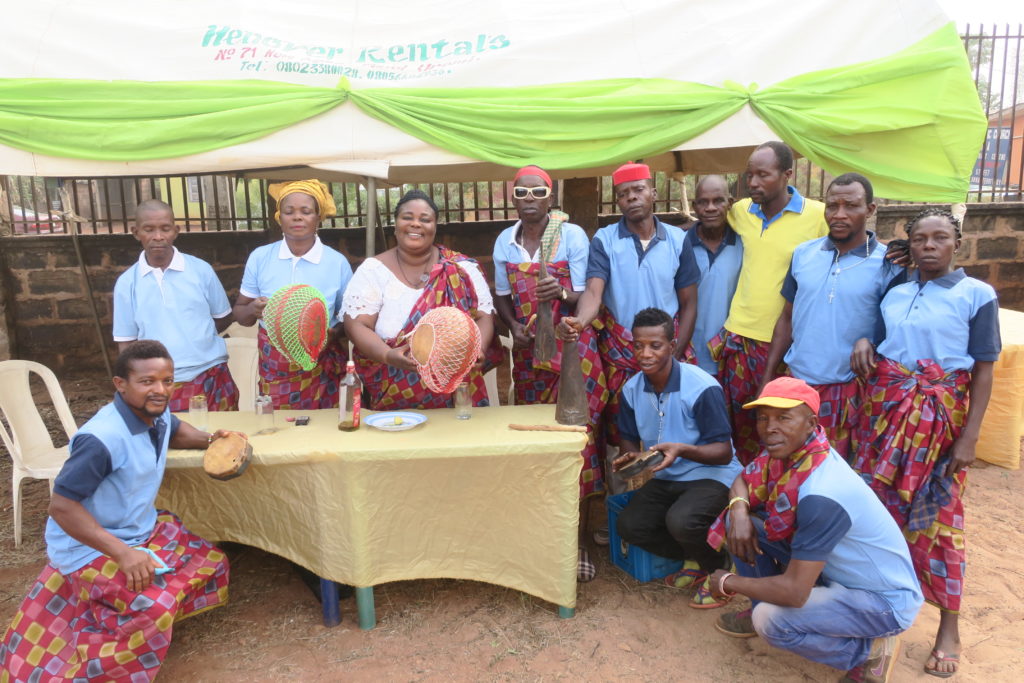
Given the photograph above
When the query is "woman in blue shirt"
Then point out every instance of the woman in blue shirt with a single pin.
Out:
(299, 258)
(926, 394)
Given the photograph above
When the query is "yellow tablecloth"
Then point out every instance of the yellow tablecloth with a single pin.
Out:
(1004, 420)
(467, 499)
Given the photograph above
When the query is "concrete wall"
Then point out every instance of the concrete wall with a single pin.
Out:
(48, 318)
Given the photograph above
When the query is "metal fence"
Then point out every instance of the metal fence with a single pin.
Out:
(33, 205)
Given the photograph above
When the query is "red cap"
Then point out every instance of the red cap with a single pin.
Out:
(533, 170)
(787, 392)
(627, 173)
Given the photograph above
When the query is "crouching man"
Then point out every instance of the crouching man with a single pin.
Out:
(121, 573)
(829, 576)
(678, 409)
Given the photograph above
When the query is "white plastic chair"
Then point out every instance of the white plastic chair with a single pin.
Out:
(243, 363)
(236, 330)
(506, 345)
(25, 436)
(491, 384)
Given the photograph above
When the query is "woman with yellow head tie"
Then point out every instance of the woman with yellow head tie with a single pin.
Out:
(300, 258)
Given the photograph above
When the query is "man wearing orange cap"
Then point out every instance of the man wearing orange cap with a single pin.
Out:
(636, 263)
(829, 576)
(771, 223)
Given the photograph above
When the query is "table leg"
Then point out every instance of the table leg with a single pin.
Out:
(364, 603)
(566, 612)
(329, 600)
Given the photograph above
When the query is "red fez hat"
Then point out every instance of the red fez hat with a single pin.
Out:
(533, 170)
(787, 392)
(627, 173)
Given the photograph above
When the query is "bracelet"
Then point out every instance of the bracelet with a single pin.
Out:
(209, 439)
(721, 585)
(735, 500)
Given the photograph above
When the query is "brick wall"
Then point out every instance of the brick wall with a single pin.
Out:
(48, 318)
(992, 249)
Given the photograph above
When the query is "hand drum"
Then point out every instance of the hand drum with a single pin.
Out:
(445, 346)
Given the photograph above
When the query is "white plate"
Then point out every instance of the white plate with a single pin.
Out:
(395, 421)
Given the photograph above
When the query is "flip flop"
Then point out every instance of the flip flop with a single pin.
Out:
(702, 598)
(941, 656)
(689, 575)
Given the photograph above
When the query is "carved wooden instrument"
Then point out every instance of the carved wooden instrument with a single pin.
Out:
(227, 457)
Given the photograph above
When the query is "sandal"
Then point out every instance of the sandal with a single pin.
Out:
(941, 656)
(690, 574)
(585, 569)
(702, 598)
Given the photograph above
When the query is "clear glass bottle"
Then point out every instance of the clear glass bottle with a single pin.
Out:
(463, 402)
(350, 399)
(264, 415)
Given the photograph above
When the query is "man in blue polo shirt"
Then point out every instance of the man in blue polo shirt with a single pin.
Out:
(677, 409)
(825, 566)
(176, 299)
(636, 263)
(832, 292)
(120, 571)
(719, 255)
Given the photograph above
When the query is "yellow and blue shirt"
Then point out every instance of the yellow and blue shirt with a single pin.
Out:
(768, 245)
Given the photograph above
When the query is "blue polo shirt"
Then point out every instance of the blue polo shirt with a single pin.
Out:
(634, 278)
(274, 266)
(952, 320)
(574, 247)
(719, 273)
(835, 302)
(175, 306)
(690, 410)
(841, 522)
(114, 470)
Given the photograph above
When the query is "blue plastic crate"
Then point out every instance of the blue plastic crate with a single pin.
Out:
(638, 563)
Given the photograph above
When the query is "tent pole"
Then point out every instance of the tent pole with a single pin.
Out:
(371, 216)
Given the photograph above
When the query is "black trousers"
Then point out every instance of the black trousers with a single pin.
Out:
(671, 519)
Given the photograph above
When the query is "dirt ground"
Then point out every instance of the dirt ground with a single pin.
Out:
(448, 630)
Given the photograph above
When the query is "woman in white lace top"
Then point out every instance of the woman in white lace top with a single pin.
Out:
(390, 292)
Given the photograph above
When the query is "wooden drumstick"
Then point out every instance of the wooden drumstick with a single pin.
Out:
(529, 323)
(548, 428)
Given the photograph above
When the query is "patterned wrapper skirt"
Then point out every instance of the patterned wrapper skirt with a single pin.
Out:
(87, 626)
(215, 383)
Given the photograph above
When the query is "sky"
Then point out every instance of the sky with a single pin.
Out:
(976, 12)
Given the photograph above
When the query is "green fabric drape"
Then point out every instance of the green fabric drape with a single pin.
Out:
(911, 121)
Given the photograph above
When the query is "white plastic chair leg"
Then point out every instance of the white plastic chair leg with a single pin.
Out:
(16, 493)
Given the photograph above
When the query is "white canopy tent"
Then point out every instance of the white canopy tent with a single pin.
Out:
(446, 44)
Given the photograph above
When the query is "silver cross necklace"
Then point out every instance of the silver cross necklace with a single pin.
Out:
(838, 269)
